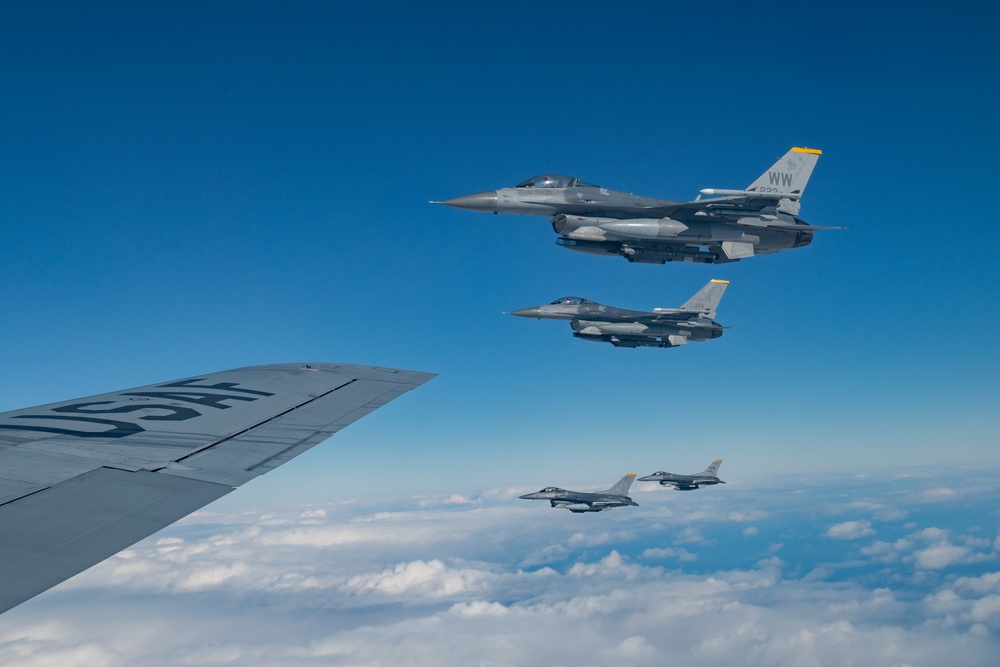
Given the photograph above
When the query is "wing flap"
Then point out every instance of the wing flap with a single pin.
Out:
(24, 471)
(61, 531)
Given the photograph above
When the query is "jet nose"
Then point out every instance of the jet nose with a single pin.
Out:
(529, 312)
(647, 478)
(528, 496)
(483, 201)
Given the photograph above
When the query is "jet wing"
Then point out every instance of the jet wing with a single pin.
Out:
(714, 206)
(667, 316)
(735, 209)
(81, 480)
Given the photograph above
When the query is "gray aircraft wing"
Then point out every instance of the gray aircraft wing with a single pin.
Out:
(668, 316)
(745, 210)
(81, 480)
(749, 211)
(713, 206)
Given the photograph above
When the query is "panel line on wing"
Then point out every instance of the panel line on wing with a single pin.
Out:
(281, 456)
(219, 441)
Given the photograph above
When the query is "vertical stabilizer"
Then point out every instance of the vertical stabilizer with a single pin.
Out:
(790, 174)
(623, 485)
(713, 469)
(707, 299)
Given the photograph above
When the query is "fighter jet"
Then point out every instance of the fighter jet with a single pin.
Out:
(580, 501)
(662, 327)
(731, 225)
(687, 482)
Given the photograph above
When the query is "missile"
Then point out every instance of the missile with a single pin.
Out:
(750, 193)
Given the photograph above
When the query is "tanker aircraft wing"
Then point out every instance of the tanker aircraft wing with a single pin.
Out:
(81, 480)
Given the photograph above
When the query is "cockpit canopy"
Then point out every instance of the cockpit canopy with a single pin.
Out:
(550, 489)
(554, 181)
(569, 301)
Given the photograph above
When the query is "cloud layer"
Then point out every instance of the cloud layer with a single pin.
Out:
(798, 580)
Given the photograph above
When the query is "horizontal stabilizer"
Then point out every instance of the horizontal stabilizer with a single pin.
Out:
(799, 228)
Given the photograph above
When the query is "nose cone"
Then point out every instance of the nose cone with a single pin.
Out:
(483, 201)
(648, 478)
(535, 311)
(529, 496)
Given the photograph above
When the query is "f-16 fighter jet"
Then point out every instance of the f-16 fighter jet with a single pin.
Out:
(579, 501)
(662, 327)
(731, 225)
(687, 482)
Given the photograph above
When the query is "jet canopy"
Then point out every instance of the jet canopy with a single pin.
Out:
(550, 489)
(554, 181)
(569, 301)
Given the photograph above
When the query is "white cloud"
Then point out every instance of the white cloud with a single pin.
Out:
(427, 579)
(985, 608)
(986, 583)
(690, 535)
(943, 551)
(850, 530)
(682, 555)
(453, 499)
(494, 583)
(579, 540)
(940, 555)
(880, 511)
(937, 495)
(932, 534)
(887, 552)
(634, 647)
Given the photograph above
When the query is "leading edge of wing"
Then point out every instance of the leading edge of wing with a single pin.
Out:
(69, 500)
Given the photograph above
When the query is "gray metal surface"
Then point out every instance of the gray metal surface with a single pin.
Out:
(81, 480)
(661, 327)
(762, 219)
(57, 533)
(706, 477)
(581, 501)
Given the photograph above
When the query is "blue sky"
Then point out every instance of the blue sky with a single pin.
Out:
(191, 187)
